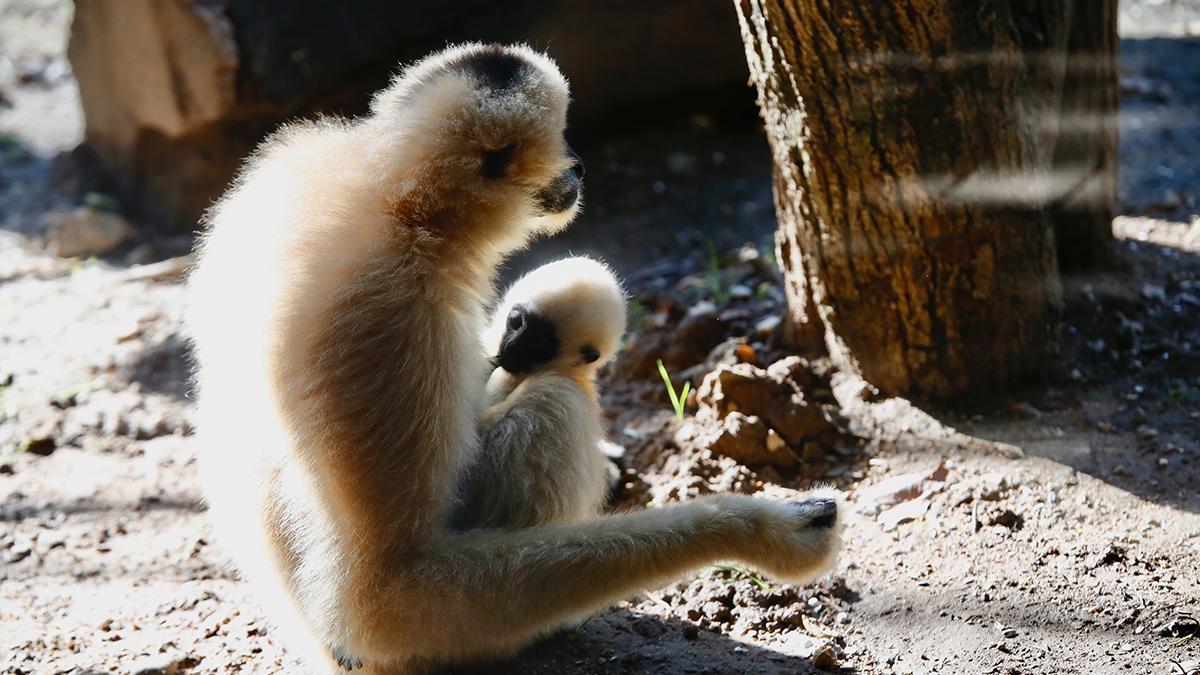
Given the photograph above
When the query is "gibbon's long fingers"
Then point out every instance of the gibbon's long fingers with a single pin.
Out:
(485, 591)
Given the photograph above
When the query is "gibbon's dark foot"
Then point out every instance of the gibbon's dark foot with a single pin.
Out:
(821, 513)
(346, 661)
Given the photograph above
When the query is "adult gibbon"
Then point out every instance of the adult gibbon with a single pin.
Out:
(335, 311)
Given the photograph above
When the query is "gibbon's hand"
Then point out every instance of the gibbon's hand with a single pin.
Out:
(346, 660)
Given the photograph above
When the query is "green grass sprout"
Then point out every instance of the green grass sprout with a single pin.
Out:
(678, 401)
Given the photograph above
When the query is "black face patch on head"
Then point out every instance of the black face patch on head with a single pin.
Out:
(495, 162)
(530, 340)
(495, 67)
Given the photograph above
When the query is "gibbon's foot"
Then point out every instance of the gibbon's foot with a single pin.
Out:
(345, 660)
(799, 540)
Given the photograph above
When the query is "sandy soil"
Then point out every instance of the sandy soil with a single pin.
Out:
(1083, 556)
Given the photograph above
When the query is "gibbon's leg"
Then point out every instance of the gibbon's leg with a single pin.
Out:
(486, 592)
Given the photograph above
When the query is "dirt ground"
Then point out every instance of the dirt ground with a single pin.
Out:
(1081, 555)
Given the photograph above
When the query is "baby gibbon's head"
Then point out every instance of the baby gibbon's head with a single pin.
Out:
(488, 120)
(568, 315)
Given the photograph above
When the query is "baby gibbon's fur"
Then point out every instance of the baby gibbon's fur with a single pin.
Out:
(540, 460)
(336, 310)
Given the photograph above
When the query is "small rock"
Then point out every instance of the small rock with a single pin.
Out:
(774, 442)
(903, 513)
(1007, 518)
(992, 486)
(843, 618)
(1154, 292)
(768, 325)
(159, 664)
(1109, 555)
(41, 445)
(825, 658)
(1010, 633)
(19, 552)
(741, 292)
(85, 231)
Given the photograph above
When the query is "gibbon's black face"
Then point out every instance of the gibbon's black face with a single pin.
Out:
(530, 340)
(562, 192)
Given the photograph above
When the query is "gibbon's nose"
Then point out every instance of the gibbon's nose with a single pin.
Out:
(577, 167)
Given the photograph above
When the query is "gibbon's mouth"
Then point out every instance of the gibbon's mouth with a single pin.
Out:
(562, 193)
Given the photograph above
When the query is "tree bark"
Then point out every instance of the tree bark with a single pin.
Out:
(908, 183)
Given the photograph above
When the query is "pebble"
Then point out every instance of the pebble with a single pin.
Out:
(741, 292)
(159, 664)
(768, 325)
(85, 231)
(825, 658)
(843, 617)
(1010, 632)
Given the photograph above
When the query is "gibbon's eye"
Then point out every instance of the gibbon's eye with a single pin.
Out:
(530, 340)
(495, 162)
(590, 354)
(516, 318)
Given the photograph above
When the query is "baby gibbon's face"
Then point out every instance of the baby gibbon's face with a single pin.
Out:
(566, 316)
(491, 120)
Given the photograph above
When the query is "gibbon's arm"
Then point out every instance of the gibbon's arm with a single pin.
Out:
(486, 591)
(538, 461)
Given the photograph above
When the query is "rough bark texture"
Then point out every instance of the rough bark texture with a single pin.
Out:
(176, 92)
(908, 221)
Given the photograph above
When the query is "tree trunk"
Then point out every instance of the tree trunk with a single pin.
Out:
(908, 183)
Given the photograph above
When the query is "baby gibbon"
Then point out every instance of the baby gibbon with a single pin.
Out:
(540, 459)
(335, 311)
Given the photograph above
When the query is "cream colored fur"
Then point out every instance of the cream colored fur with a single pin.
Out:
(541, 460)
(335, 311)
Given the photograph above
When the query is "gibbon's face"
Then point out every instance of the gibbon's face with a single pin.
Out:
(490, 119)
(567, 316)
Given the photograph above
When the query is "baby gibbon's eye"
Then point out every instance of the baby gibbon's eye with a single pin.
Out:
(516, 318)
(495, 162)
(590, 354)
